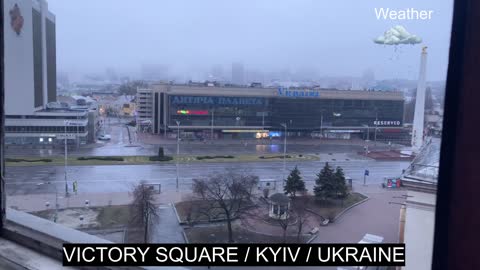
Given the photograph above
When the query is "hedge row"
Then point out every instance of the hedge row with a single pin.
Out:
(27, 160)
(157, 158)
(263, 157)
(213, 157)
(102, 158)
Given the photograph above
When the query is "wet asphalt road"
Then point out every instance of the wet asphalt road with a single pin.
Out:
(120, 145)
(120, 178)
(112, 149)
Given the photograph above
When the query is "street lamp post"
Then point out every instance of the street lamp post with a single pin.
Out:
(366, 172)
(321, 124)
(56, 204)
(78, 137)
(211, 126)
(178, 147)
(376, 122)
(263, 120)
(284, 151)
(55, 217)
(65, 169)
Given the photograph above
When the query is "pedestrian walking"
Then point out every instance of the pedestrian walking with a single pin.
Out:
(75, 187)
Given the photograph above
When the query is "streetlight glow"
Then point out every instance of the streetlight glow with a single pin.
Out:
(284, 151)
(65, 169)
(178, 147)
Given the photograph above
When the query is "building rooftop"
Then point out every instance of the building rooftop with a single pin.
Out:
(279, 198)
(61, 112)
(422, 174)
(203, 90)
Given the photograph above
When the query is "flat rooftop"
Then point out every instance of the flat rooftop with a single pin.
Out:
(304, 93)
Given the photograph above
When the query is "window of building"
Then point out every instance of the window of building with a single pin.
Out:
(366, 133)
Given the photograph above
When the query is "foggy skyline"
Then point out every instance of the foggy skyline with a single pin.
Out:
(321, 37)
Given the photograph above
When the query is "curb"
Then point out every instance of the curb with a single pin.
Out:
(176, 214)
(185, 237)
(155, 163)
(247, 227)
(339, 215)
(312, 238)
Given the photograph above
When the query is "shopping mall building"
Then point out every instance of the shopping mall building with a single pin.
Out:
(203, 111)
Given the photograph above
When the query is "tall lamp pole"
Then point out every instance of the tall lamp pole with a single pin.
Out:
(376, 123)
(263, 120)
(211, 126)
(368, 133)
(65, 169)
(78, 137)
(284, 150)
(321, 125)
(178, 147)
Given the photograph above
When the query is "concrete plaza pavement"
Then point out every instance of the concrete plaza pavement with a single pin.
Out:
(374, 216)
(37, 202)
(165, 227)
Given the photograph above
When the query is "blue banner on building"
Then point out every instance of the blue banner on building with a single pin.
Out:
(208, 100)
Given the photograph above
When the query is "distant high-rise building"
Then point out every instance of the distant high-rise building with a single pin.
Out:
(32, 113)
(124, 79)
(63, 79)
(368, 78)
(111, 75)
(216, 73)
(151, 72)
(30, 56)
(254, 76)
(238, 74)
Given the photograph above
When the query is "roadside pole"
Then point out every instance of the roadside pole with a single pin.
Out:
(367, 172)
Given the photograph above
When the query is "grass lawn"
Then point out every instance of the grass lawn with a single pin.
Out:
(130, 160)
(219, 234)
(330, 209)
(197, 211)
(102, 217)
(45, 214)
(110, 216)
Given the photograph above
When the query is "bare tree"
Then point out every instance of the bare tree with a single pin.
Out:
(299, 206)
(285, 223)
(228, 194)
(143, 207)
(191, 210)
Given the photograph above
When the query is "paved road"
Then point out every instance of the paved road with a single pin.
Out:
(117, 178)
(146, 144)
(117, 148)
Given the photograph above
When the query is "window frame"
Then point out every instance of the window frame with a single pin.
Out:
(455, 239)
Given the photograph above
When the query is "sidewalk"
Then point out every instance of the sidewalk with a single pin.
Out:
(37, 202)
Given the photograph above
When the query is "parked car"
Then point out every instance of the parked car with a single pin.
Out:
(104, 137)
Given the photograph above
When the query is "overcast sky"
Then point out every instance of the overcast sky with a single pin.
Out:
(334, 38)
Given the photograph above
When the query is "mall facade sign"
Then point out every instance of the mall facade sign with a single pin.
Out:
(387, 123)
(214, 100)
(306, 93)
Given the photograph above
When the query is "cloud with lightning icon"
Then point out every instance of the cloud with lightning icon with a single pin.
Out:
(397, 35)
